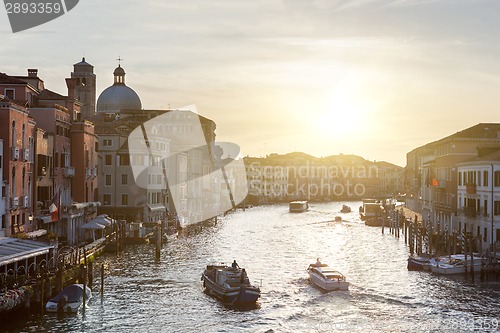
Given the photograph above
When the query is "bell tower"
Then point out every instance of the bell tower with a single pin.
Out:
(85, 90)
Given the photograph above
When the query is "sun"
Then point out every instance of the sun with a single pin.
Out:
(347, 110)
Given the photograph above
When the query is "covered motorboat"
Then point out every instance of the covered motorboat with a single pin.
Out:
(70, 299)
(229, 284)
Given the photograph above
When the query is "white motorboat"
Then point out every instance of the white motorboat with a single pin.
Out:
(70, 299)
(455, 264)
(298, 206)
(327, 278)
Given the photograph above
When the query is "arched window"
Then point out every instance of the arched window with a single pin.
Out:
(13, 181)
(24, 136)
(14, 133)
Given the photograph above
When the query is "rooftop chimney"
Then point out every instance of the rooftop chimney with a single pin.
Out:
(32, 72)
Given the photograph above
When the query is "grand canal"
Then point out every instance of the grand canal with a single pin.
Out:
(275, 246)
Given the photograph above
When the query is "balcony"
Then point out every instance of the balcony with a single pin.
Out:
(26, 155)
(15, 202)
(470, 212)
(69, 171)
(441, 183)
(15, 153)
(470, 188)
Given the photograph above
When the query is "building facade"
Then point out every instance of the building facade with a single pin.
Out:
(17, 132)
(432, 174)
(478, 199)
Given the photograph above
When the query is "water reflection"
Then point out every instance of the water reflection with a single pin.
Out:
(276, 247)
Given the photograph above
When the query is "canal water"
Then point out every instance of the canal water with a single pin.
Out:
(275, 247)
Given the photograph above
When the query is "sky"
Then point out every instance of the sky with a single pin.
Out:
(375, 78)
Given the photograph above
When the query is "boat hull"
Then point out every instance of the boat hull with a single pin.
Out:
(454, 264)
(417, 263)
(326, 278)
(328, 285)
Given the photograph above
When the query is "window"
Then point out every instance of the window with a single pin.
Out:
(460, 178)
(497, 208)
(107, 199)
(124, 199)
(124, 159)
(10, 93)
(485, 178)
(124, 179)
(497, 178)
(107, 143)
(108, 160)
(108, 180)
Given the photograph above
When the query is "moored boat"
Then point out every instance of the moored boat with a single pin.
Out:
(229, 284)
(417, 263)
(298, 206)
(70, 299)
(371, 209)
(455, 264)
(327, 278)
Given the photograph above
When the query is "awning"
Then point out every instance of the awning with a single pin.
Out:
(92, 225)
(156, 207)
(45, 218)
(37, 233)
(103, 219)
(15, 249)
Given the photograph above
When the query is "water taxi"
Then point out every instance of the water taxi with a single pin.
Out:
(229, 284)
(327, 278)
(298, 206)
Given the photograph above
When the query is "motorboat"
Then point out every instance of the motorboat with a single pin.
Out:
(327, 278)
(298, 206)
(455, 264)
(69, 300)
(345, 209)
(229, 284)
(338, 218)
(371, 208)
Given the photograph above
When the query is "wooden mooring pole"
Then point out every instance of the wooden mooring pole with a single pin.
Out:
(102, 280)
(158, 240)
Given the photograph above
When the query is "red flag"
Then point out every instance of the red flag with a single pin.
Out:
(55, 206)
(435, 182)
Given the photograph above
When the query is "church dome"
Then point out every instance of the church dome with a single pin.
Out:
(118, 96)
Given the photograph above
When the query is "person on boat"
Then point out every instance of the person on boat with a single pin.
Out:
(235, 265)
(243, 276)
(318, 263)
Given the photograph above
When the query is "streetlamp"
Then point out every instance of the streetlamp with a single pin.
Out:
(30, 218)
